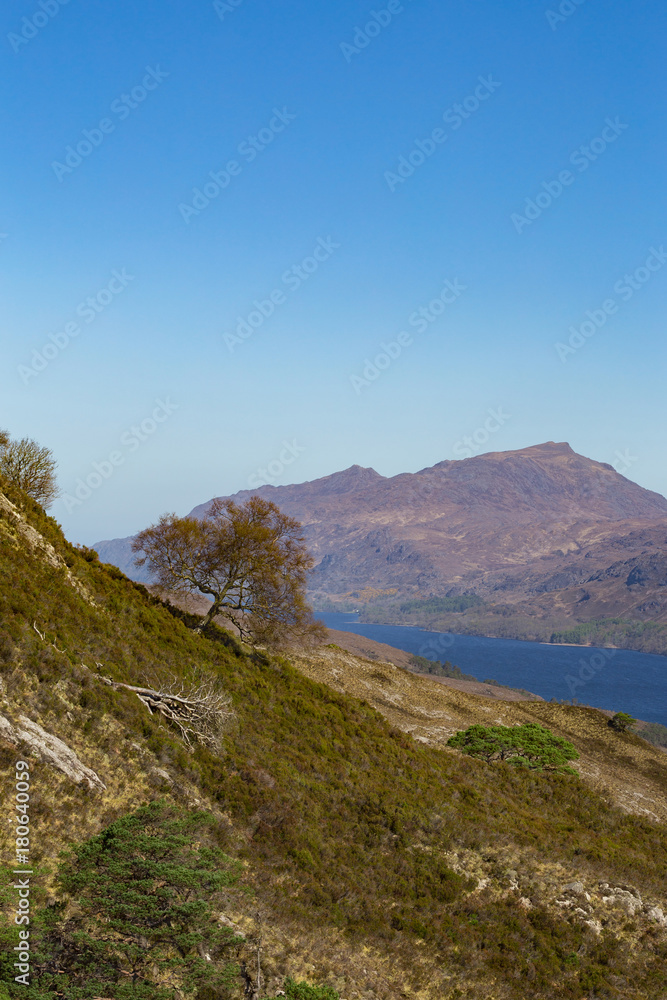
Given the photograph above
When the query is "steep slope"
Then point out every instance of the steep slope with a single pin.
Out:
(385, 865)
(636, 778)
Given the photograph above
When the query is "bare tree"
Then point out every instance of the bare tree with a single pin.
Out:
(250, 560)
(29, 466)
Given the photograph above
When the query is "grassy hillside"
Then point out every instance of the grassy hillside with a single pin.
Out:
(360, 846)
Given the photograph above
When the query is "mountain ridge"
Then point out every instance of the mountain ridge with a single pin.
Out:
(536, 530)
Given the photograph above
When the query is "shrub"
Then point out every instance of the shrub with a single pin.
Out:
(530, 746)
(622, 721)
(303, 991)
(143, 892)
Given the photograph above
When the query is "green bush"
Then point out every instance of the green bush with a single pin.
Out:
(622, 721)
(434, 667)
(136, 911)
(530, 746)
(303, 991)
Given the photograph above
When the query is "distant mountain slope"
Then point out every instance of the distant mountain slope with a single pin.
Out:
(513, 527)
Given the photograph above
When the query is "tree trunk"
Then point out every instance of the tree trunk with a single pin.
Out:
(208, 617)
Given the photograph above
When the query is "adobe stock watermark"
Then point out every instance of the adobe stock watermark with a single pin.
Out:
(249, 149)
(130, 442)
(437, 646)
(623, 461)
(420, 320)
(588, 669)
(31, 26)
(377, 22)
(222, 7)
(625, 288)
(88, 310)
(454, 116)
(122, 107)
(566, 9)
(22, 885)
(292, 279)
(472, 444)
(581, 158)
(275, 468)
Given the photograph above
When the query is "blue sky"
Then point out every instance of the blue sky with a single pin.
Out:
(366, 155)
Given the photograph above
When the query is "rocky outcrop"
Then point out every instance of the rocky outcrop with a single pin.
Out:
(38, 544)
(51, 749)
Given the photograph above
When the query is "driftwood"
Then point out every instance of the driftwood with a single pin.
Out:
(200, 715)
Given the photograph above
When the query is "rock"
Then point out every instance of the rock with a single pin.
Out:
(36, 543)
(575, 887)
(655, 913)
(164, 775)
(226, 922)
(622, 897)
(50, 748)
(525, 903)
(594, 925)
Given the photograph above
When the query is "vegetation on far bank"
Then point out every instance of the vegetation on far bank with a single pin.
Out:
(504, 621)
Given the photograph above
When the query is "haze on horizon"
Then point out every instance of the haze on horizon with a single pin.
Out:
(440, 230)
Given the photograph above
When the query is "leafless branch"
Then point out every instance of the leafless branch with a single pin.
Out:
(200, 713)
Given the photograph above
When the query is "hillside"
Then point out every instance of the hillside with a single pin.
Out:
(545, 538)
(372, 859)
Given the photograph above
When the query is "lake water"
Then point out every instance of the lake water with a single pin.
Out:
(617, 679)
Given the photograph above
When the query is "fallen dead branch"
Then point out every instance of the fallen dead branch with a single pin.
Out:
(200, 714)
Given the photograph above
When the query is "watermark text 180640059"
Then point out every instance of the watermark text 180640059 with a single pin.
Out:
(22, 871)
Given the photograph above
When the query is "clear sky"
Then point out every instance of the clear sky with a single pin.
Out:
(213, 216)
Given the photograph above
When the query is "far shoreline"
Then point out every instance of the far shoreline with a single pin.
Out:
(498, 638)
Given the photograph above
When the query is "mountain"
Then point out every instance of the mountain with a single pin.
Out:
(545, 538)
(303, 818)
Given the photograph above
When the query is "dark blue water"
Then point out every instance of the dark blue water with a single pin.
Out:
(618, 679)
